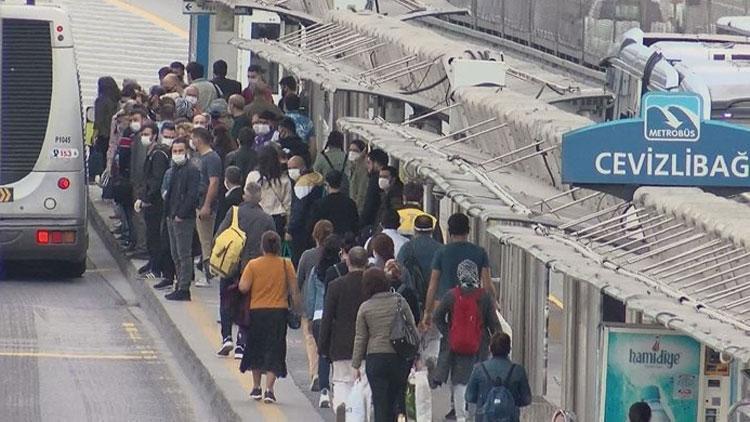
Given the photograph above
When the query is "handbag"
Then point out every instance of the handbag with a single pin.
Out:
(404, 336)
(293, 319)
(286, 250)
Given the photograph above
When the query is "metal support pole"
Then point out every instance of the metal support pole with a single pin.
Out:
(474, 135)
(508, 154)
(711, 277)
(570, 204)
(696, 261)
(589, 217)
(553, 197)
(389, 65)
(708, 245)
(402, 72)
(526, 157)
(713, 297)
(711, 267)
(666, 247)
(432, 113)
(617, 220)
(350, 46)
(629, 233)
(357, 53)
(298, 33)
(458, 132)
(648, 245)
(312, 36)
(334, 43)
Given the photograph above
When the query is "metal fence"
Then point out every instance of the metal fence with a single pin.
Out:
(585, 31)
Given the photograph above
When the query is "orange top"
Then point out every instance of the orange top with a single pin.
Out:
(267, 277)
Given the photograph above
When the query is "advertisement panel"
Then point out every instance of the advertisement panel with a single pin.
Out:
(659, 367)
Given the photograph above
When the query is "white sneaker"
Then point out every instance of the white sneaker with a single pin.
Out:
(202, 283)
(325, 399)
(239, 351)
(226, 347)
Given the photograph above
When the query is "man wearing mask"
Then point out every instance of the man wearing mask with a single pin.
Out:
(178, 69)
(188, 106)
(260, 102)
(149, 202)
(337, 207)
(202, 120)
(181, 197)
(308, 188)
(255, 76)
(143, 132)
(357, 173)
(290, 143)
(263, 126)
(228, 87)
(245, 157)
(288, 87)
(239, 118)
(207, 90)
(412, 208)
(210, 167)
(392, 191)
(377, 159)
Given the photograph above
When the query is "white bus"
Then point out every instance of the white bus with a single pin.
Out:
(43, 195)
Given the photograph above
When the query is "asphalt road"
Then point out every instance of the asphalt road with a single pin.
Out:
(82, 350)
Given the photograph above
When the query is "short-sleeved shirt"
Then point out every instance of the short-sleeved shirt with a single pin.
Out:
(448, 257)
(210, 166)
(268, 278)
(304, 126)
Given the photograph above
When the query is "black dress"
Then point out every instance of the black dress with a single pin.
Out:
(265, 342)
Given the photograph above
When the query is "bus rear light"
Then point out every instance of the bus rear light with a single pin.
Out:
(42, 237)
(55, 237)
(59, 28)
(63, 183)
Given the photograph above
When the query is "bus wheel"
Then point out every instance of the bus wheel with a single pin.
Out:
(74, 269)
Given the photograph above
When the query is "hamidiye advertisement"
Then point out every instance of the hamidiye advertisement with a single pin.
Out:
(659, 367)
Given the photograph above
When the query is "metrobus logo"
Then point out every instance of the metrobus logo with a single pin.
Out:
(670, 117)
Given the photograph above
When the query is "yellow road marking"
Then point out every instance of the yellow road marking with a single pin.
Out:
(207, 324)
(156, 20)
(144, 355)
(555, 301)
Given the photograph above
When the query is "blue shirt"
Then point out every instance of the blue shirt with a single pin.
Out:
(303, 125)
(448, 257)
(479, 385)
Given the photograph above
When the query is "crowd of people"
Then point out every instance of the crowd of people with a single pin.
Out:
(332, 241)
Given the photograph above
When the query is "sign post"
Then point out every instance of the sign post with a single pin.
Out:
(668, 145)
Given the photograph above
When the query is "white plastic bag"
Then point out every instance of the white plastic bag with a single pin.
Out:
(356, 401)
(422, 396)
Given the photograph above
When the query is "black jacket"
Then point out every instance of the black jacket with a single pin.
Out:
(390, 200)
(340, 210)
(228, 87)
(293, 145)
(245, 157)
(226, 203)
(372, 201)
(157, 163)
(183, 192)
(337, 329)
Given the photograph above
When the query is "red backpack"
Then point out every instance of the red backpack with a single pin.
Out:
(465, 333)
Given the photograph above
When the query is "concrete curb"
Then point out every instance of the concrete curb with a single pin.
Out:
(194, 369)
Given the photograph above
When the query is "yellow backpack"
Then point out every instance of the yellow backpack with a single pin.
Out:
(227, 251)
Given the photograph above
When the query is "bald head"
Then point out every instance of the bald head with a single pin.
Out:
(296, 162)
(236, 102)
(191, 90)
(171, 83)
(357, 258)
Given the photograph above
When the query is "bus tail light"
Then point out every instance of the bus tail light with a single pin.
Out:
(63, 183)
(55, 237)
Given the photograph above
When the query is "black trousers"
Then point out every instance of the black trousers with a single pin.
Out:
(226, 312)
(152, 217)
(164, 263)
(387, 374)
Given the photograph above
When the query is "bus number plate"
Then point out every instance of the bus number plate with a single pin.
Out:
(6, 195)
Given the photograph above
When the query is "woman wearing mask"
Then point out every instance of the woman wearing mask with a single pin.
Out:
(386, 371)
(276, 188)
(105, 107)
(264, 128)
(270, 282)
(357, 173)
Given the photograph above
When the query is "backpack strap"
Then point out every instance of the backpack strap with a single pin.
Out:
(328, 160)
(506, 383)
(236, 217)
(487, 374)
(338, 272)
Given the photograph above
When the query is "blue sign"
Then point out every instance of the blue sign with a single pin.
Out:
(669, 145)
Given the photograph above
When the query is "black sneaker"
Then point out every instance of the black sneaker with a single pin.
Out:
(451, 416)
(239, 351)
(164, 284)
(226, 347)
(256, 394)
(269, 397)
(144, 269)
(178, 295)
(315, 384)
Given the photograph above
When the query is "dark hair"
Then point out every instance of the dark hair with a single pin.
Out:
(458, 224)
(233, 175)
(167, 125)
(374, 281)
(246, 136)
(150, 125)
(288, 123)
(255, 68)
(500, 344)
(383, 245)
(335, 178)
(413, 192)
(222, 140)
(156, 91)
(167, 109)
(195, 70)
(292, 102)
(177, 65)
(289, 82)
(107, 88)
(321, 230)
(391, 219)
(378, 156)
(423, 223)
(268, 115)
(130, 90)
(268, 164)
(330, 256)
(181, 140)
(220, 68)
(203, 134)
(271, 242)
(350, 241)
(639, 412)
(335, 140)
(164, 71)
(393, 171)
(138, 109)
(360, 144)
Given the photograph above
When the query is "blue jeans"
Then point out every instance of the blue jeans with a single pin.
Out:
(181, 245)
(324, 364)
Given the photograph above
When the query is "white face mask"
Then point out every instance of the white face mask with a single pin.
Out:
(191, 99)
(294, 174)
(145, 140)
(384, 183)
(167, 141)
(135, 126)
(179, 159)
(199, 125)
(354, 156)
(192, 144)
(261, 128)
(302, 191)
